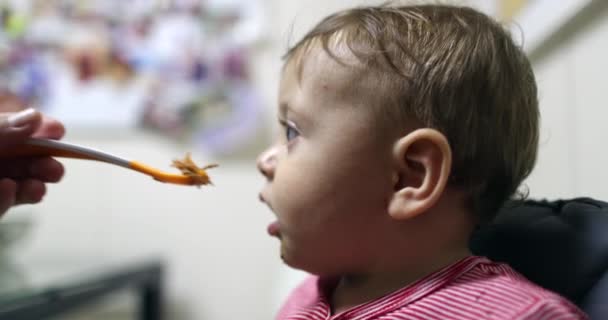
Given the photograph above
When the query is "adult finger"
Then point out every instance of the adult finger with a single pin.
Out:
(16, 127)
(50, 129)
(29, 191)
(8, 192)
(44, 168)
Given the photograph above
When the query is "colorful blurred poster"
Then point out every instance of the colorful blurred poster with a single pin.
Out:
(179, 68)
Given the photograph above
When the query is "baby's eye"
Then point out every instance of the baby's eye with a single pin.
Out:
(290, 132)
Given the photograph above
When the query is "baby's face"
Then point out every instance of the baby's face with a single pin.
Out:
(329, 175)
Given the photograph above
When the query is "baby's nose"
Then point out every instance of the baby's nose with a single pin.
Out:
(267, 162)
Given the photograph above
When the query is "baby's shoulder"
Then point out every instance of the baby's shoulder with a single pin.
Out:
(497, 291)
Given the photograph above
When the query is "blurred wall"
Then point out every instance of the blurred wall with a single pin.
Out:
(570, 68)
(214, 239)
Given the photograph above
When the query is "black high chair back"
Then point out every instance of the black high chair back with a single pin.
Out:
(560, 245)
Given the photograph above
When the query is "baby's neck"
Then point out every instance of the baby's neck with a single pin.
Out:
(356, 289)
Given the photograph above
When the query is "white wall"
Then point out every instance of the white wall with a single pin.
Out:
(572, 87)
(555, 175)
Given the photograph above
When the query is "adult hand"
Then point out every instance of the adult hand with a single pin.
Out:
(22, 180)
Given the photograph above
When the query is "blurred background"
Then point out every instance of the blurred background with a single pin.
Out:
(153, 79)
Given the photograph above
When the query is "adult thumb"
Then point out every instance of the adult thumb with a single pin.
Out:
(17, 127)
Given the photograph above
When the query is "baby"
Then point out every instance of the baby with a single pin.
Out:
(404, 128)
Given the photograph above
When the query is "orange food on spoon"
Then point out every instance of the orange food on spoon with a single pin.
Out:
(190, 169)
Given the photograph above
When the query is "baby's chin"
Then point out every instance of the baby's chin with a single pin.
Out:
(305, 265)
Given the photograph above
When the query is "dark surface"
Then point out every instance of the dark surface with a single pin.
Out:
(64, 294)
(560, 245)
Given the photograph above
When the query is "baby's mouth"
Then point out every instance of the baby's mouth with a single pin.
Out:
(273, 229)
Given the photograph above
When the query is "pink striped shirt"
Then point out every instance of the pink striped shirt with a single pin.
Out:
(474, 288)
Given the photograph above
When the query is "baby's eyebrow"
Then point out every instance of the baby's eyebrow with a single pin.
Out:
(287, 111)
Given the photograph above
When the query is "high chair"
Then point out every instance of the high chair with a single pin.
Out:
(560, 245)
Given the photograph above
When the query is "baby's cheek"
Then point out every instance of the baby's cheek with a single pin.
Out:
(303, 182)
(291, 201)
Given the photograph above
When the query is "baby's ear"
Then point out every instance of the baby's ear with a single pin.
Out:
(424, 161)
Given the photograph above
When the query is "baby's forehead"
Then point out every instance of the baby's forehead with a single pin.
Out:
(337, 71)
(341, 79)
